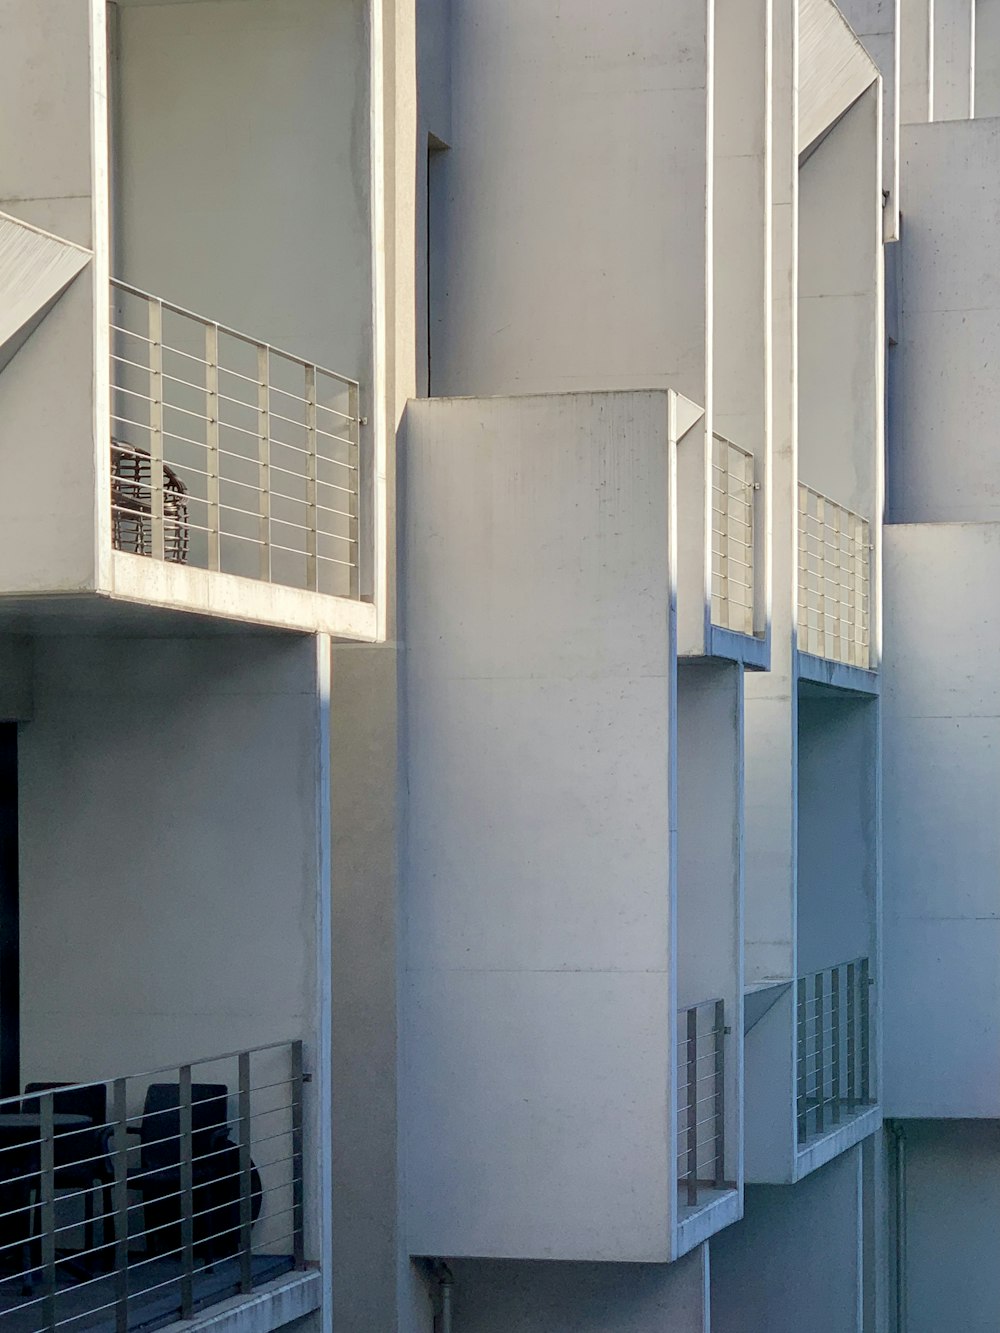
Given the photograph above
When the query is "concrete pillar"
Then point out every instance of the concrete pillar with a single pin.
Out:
(916, 61)
(954, 59)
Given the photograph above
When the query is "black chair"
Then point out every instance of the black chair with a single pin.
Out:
(81, 1156)
(215, 1163)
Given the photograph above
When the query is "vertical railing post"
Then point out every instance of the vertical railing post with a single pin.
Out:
(720, 1095)
(312, 473)
(47, 1200)
(835, 1046)
(156, 424)
(264, 459)
(354, 434)
(852, 1043)
(187, 1194)
(818, 1037)
(119, 1115)
(246, 1177)
(212, 459)
(801, 1063)
(298, 1159)
(692, 1107)
(864, 998)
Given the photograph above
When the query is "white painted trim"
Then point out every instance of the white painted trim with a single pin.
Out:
(380, 419)
(137, 578)
(323, 1058)
(101, 276)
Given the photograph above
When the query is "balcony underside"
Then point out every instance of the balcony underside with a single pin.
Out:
(154, 600)
(299, 1294)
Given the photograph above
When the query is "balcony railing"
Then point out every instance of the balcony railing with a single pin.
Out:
(733, 490)
(833, 1047)
(834, 580)
(701, 1101)
(230, 455)
(140, 1200)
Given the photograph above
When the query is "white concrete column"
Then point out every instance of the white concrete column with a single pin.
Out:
(954, 59)
(916, 61)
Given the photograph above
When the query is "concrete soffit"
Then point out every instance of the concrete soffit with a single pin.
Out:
(834, 70)
(35, 270)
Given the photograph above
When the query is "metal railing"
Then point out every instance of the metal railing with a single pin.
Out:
(185, 1190)
(701, 1100)
(834, 580)
(228, 454)
(833, 1040)
(733, 490)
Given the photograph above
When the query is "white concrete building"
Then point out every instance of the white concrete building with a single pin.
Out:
(515, 833)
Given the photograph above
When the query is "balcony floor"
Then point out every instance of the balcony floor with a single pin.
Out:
(148, 1309)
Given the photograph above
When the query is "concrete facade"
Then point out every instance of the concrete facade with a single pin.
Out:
(619, 849)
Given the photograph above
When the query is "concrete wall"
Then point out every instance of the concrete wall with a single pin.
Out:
(169, 894)
(578, 168)
(795, 1260)
(840, 351)
(491, 1297)
(52, 174)
(953, 1181)
(838, 834)
(539, 688)
(242, 168)
(942, 848)
(947, 400)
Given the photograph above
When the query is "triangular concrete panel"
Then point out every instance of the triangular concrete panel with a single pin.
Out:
(35, 270)
(834, 69)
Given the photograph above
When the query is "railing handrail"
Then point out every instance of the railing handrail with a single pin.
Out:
(702, 1004)
(740, 448)
(247, 338)
(162, 1069)
(837, 504)
(820, 971)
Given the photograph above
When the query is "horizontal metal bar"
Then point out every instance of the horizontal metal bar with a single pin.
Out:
(128, 289)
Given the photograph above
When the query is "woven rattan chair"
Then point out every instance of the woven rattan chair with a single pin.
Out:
(131, 510)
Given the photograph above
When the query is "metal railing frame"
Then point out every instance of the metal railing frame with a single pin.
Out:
(345, 495)
(733, 574)
(40, 1279)
(701, 1070)
(833, 1047)
(834, 599)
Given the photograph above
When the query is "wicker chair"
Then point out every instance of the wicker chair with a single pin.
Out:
(131, 510)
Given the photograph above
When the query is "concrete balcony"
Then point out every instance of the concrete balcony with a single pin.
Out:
(152, 1197)
(572, 860)
(835, 559)
(191, 467)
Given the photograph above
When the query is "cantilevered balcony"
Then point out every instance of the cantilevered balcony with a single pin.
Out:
(151, 1197)
(834, 612)
(156, 458)
(228, 455)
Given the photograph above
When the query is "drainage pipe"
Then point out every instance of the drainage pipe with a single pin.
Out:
(446, 1285)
